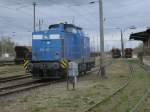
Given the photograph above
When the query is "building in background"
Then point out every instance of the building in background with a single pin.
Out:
(145, 38)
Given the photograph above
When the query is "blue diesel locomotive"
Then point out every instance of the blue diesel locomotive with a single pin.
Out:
(53, 48)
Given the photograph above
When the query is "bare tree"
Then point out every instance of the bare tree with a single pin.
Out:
(6, 45)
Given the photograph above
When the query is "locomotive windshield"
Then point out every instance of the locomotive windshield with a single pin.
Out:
(80, 31)
(70, 29)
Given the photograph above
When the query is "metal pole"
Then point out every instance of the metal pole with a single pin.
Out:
(73, 20)
(39, 25)
(102, 68)
(34, 5)
(93, 47)
(97, 46)
(122, 43)
(2, 48)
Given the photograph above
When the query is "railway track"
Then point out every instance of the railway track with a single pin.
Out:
(4, 91)
(145, 67)
(131, 70)
(97, 67)
(14, 78)
(4, 63)
(115, 95)
(140, 102)
(23, 87)
(144, 96)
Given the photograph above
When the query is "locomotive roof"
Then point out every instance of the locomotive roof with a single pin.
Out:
(69, 25)
(18, 48)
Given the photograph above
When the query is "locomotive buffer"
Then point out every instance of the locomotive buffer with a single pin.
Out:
(25, 65)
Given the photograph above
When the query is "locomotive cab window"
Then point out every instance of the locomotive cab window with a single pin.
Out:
(70, 29)
(80, 31)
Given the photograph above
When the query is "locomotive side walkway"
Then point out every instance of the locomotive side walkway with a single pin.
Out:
(90, 90)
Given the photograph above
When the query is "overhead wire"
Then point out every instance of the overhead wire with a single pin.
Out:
(88, 21)
(10, 21)
(14, 10)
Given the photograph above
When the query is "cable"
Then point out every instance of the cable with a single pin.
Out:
(83, 16)
(9, 23)
(12, 9)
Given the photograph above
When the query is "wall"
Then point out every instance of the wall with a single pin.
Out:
(147, 47)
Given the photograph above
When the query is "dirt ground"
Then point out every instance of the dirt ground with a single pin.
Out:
(90, 90)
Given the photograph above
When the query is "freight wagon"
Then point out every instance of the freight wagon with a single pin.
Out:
(128, 52)
(52, 49)
(116, 53)
(21, 53)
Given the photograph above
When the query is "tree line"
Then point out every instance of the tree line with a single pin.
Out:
(6, 45)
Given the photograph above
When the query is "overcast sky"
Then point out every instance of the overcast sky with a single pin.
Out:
(16, 18)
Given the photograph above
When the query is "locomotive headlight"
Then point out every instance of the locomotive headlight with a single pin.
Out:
(37, 37)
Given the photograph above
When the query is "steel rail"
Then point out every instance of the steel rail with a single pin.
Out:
(14, 78)
(145, 67)
(23, 88)
(3, 63)
(142, 99)
(17, 85)
(114, 93)
(30, 85)
(5, 78)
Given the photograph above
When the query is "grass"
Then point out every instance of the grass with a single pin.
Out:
(127, 98)
(90, 90)
(8, 70)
